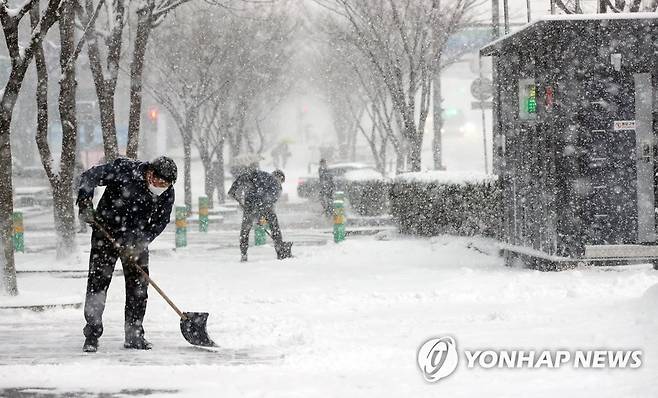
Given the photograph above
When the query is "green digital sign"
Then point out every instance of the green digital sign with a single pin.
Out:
(531, 99)
(527, 99)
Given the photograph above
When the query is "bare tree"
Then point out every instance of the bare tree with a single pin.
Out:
(150, 14)
(339, 85)
(605, 6)
(21, 57)
(260, 84)
(105, 47)
(357, 93)
(448, 22)
(186, 59)
(218, 75)
(384, 130)
(396, 38)
(60, 176)
(209, 141)
(105, 67)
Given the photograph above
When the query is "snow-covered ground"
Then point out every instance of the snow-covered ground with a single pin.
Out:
(336, 320)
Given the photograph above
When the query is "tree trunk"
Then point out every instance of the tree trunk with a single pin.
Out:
(415, 148)
(437, 112)
(9, 97)
(6, 199)
(400, 156)
(105, 93)
(187, 153)
(64, 220)
(62, 190)
(208, 180)
(219, 173)
(19, 65)
(144, 24)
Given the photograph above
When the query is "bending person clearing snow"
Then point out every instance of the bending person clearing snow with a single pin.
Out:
(257, 191)
(134, 210)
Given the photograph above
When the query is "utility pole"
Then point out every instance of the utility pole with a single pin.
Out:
(506, 15)
(495, 19)
(527, 6)
(495, 34)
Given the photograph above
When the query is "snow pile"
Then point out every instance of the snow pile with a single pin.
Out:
(364, 175)
(649, 300)
(348, 165)
(339, 320)
(447, 177)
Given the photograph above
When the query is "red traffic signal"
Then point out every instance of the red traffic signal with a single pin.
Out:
(153, 113)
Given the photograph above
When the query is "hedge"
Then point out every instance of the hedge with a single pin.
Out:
(430, 204)
(368, 198)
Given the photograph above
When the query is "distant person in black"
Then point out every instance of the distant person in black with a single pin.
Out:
(326, 188)
(134, 209)
(257, 191)
(280, 154)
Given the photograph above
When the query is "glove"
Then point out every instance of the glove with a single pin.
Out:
(86, 211)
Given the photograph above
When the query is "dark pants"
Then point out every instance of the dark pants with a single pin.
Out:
(102, 259)
(249, 217)
(327, 201)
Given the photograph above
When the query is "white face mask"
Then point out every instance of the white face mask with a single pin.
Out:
(157, 191)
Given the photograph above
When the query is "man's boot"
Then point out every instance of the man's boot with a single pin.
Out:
(243, 258)
(90, 345)
(135, 339)
(138, 343)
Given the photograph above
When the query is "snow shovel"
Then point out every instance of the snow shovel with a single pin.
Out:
(284, 250)
(192, 324)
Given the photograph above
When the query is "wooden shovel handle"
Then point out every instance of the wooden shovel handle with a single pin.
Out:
(141, 270)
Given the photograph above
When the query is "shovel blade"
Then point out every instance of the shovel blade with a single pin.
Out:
(194, 329)
(284, 250)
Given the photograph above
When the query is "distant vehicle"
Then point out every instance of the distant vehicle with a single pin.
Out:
(454, 121)
(309, 187)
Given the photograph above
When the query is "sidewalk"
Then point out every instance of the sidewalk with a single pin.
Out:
(340, 318)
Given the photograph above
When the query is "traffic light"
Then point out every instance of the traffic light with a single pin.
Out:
(151, 122)
(153, 114)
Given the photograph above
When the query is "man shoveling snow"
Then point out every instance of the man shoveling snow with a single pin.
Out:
(134, 209)
(257, 191)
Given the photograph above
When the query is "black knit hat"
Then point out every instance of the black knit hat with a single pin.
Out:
(165, 168)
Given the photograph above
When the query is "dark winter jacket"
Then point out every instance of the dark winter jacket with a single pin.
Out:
(256, 189)
(326, 181)
(127, 209)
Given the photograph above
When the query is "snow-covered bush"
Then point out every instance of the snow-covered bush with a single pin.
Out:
(367, 192)
(436, 202)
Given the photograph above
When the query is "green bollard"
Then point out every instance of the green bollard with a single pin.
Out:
(181, 226)
(339, 221)
(260, 235)
(203, 214)
(19, 239)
